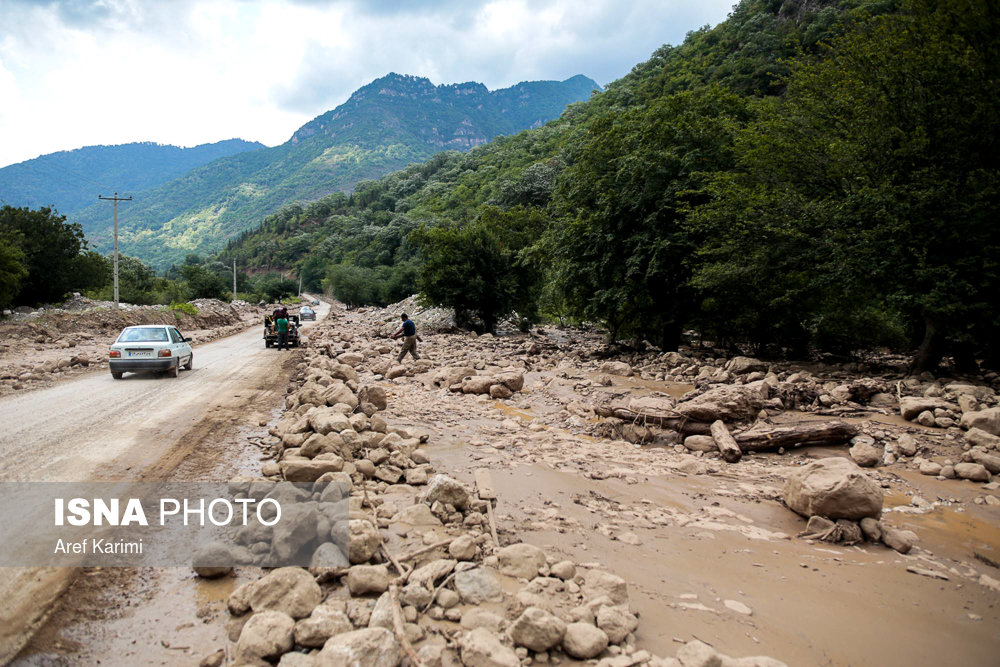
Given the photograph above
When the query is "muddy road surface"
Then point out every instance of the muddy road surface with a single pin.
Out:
(144, 427)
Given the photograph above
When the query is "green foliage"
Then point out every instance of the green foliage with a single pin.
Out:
(354, 285)
(384, 126)
(620, 251)
(179, 307)
(12, 269)
(203, 284)
(67, 180)
(804, 175)
(273, 287)
(478, 270)
(51, 248)
(873, 178)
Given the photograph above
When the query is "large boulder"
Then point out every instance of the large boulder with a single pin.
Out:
(446, 377)
(521, 560)
(375, 395)
(266, 636)
(911, 406)
(478, 384)
(834, 488)
(482, 648)
(985, 420)
(364, 540)
(362, 579)
(744, 365)
(446, 490)
(730, 403)
(309, 470)
(478, 585)
(323, 623)
(290, 590)
(616, 622)
(598, 583)
(328, 420)
(537, 629)
(584, 641)
(370, 647)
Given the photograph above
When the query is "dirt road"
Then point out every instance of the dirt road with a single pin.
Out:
(140, 428)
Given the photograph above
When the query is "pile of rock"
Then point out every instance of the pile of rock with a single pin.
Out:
(424, 579)
(842, 505)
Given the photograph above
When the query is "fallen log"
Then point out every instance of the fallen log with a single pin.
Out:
(731, 452)
(795, 435)
(671, 421)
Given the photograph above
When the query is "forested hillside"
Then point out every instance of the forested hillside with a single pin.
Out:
(808, 175)
(71, 180)
(393, 121)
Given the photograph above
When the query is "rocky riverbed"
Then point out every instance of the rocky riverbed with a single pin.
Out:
(529, 498)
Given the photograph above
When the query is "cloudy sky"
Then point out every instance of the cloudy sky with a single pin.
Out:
(82, 72)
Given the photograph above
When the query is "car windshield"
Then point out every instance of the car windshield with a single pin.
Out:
(306, 310)
(144, 335)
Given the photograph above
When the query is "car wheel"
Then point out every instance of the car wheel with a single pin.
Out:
(190, 363)
(117, 376)
(267, 343)
(173, 371)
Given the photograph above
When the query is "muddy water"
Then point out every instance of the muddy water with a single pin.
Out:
(812, 604)
(149, 616)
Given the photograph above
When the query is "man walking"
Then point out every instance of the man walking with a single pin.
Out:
(408, 331)
(281, 326)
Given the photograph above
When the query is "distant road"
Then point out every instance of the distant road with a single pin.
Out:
(95, 428)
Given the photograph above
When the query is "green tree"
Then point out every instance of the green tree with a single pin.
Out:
(274, 286)
(873, 188)
(480, 269)
(50, 246)
(354, 285)
(203, 284)
(12, 270)
(620, 251)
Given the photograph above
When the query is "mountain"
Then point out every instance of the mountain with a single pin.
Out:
(71, 180)
(391, 122)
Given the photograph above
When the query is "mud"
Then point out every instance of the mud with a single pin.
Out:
(698, 550)
(194, 428)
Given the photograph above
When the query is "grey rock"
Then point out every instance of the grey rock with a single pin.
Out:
(445, 490)
(290, 590)
(521, 560)
(478, 585)
(617, 622)
(362, 579)
(266, 636)
(323, 623)
(832, 487)
(584, 641)
(537, 629)
(370, 647)
(974, 472)
(482, 648)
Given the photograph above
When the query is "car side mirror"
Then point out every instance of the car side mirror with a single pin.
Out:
(186, 340)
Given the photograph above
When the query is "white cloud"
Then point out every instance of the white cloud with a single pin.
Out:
(82, 72)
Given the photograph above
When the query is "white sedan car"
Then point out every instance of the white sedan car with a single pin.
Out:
(150, 347)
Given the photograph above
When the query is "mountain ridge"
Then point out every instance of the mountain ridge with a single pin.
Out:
(391, 122)
(71, 179)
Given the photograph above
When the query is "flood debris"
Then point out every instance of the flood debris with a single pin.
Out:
(433, 576)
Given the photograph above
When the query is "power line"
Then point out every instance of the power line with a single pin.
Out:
(116, 199)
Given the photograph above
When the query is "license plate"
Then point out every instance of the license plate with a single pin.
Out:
(140, 355)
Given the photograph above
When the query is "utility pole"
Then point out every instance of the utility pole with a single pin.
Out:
(300, 284)
(116, 199)
(234, 280)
